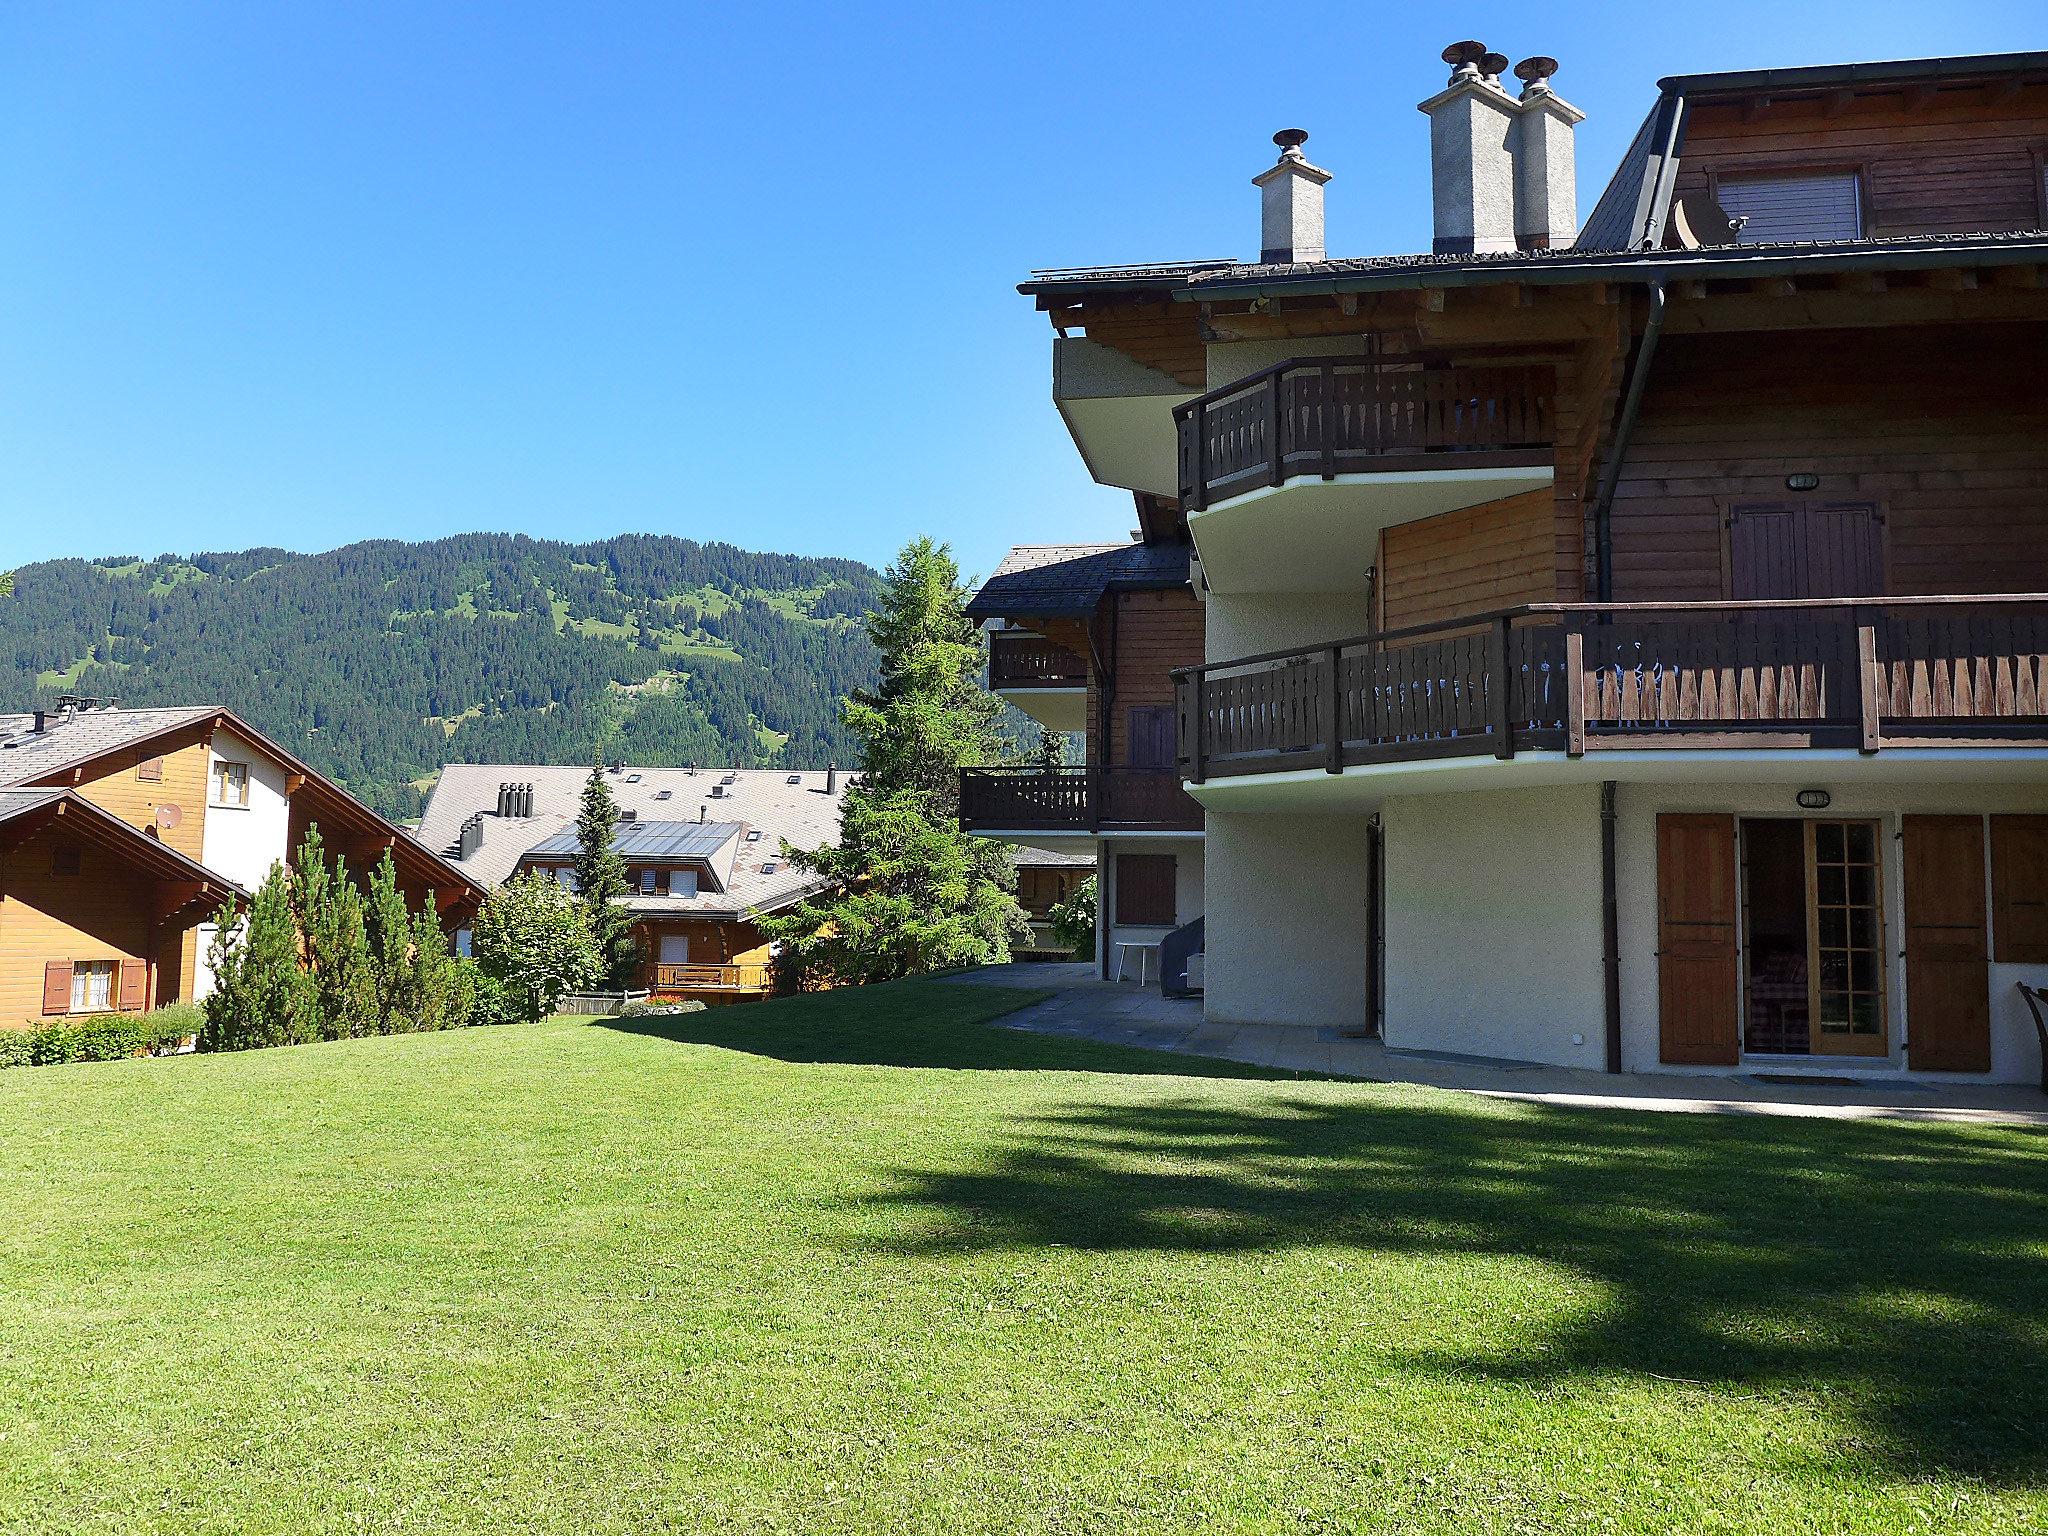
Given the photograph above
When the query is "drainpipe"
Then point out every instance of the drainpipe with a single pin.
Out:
(1610, 927)
(1610, 475)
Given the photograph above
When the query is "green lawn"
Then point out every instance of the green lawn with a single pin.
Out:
(863, 1263)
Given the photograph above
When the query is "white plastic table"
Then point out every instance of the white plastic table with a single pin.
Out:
(1146, 948)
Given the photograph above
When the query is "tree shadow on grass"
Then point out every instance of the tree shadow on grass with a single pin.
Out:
(1900, 1270)
(917, 1024)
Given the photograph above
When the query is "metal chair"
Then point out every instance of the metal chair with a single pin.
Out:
(2037, 1000)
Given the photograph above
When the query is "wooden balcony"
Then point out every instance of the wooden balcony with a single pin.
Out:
(1331, 416)
(1582, 678)
(750, 977)
(1023, 660)
(1077, 800)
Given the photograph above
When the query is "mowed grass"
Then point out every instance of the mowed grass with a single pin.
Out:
(866, 1263)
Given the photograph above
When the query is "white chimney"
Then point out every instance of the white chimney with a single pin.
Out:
(1471, 154)
(1546, 174)
(1291, 203)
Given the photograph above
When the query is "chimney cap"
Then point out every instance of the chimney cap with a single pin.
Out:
(1290, 140)
(1535, 69)
(1491, 65)
(1458, 55)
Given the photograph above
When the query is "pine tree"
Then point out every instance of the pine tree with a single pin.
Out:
(440, 984)
(910, 891)
(262, 993)
(389, 930)
(328, 910)
(601, 878)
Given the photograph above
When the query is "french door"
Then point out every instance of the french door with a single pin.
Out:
(1813, 938)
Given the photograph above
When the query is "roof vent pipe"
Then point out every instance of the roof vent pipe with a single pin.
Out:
(831, 778)
(42, 721)
(1291, 203)
(1471, 156)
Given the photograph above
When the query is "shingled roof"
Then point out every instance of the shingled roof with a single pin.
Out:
(1068, 580)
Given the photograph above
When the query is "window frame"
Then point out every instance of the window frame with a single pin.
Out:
(87, 972)
(224, 772)
(1866, 214)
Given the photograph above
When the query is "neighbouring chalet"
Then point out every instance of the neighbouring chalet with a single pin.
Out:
(123, 832)
(1046, 877)
(1622, 644)
(702, 849)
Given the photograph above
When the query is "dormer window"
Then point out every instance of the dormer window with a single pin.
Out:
(1794, 205)
(647, 877)
(682, 882)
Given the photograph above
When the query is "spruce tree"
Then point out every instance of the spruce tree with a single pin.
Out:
(389, 930)
(263, 994)
(328, 911)
(441, 986)
(910, 891)
(601, 878)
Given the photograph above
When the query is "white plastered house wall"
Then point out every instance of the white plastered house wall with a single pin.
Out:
(1190, 856)
(241, 842)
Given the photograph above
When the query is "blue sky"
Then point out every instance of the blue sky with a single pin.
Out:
(302, 274)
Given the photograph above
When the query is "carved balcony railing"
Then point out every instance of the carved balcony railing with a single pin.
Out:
(1032, 661)
(1867, 674)
(1330, 416)
(1076, 800)
(744, 977)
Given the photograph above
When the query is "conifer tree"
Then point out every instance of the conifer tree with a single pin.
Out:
(601, 879)
(262, 993)
(911, 892)
(389, 930)
(440, 985)
(328, 910)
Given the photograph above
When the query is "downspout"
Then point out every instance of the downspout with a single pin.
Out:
(1610, 474)
(1610, 927)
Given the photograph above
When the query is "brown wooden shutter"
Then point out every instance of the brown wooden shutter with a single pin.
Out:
(2019, 890)
(134, 995)
(1144, 889)
(1844, 550)
(57, 987)
(1149, 731)
(1948, 980)
(150, 770)
(1766, 557)
(1697, 1007)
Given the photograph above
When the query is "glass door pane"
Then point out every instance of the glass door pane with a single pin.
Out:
(1845, 938)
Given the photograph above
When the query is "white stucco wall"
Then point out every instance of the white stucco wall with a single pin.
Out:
(1287, 932)
(241, 843)
(1249, 624)
(2015, 1052)
(1493, 924)
(1188, 854)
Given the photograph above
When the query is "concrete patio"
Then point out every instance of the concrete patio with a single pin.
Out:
(1123, 1014)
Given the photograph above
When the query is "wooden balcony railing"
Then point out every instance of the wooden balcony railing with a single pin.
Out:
(1076, 800)
(1583, 677)
(1032, 661)
(750, 976)
(1329, 416)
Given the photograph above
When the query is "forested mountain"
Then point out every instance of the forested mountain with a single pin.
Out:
(379, 662)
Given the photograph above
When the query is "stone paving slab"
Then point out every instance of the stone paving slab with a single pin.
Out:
(1086, 1007)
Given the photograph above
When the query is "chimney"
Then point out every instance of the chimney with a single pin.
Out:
(42, 721)
(831, 778)
(1291, 203)
(1546, 174)
(1471, 157)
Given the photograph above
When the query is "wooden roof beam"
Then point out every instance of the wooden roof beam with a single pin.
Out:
(1952, 279)
(2016, 277)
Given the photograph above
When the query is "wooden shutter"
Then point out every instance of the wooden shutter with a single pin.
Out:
(2019, 890)
(1144, 890)
(150, 770)
(1766, 555)
(1948, 982)
(1697, 1003)
(1795, 205)
(1149, 732)
(1844, 550)
(134, 994)
(57, 987)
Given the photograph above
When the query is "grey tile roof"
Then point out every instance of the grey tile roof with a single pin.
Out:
(74, 738)
(20, 802)
(1026, 857)
(1068, 580)
(760, 799)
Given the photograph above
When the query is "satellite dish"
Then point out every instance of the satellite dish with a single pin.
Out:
(1697, 220)
(168, 816)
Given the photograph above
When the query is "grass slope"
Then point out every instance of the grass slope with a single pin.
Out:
(864, 1263)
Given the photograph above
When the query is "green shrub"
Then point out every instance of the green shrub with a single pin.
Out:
(17, 1048)
(101, 1037)
(493, 1001)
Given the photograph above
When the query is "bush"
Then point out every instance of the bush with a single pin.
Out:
(655, 1007)
(101, 1037)
(493, 1001)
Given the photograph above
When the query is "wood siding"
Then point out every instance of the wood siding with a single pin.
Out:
(1488, 556)
(1954, 163)
(104, 912)
(116, 785)
(1947, 433)
(1149, 634)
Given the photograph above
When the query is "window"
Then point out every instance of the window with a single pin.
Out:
(463, 943)
(682, 882)
(150, 770)
(1794, 205)
(565, 877)
(230, 783)
(92, 986)
(1145, 895)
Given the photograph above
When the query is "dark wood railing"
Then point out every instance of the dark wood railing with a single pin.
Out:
(1580, 677)
(1032, 661)
(1330, 416)
(1076, 800)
